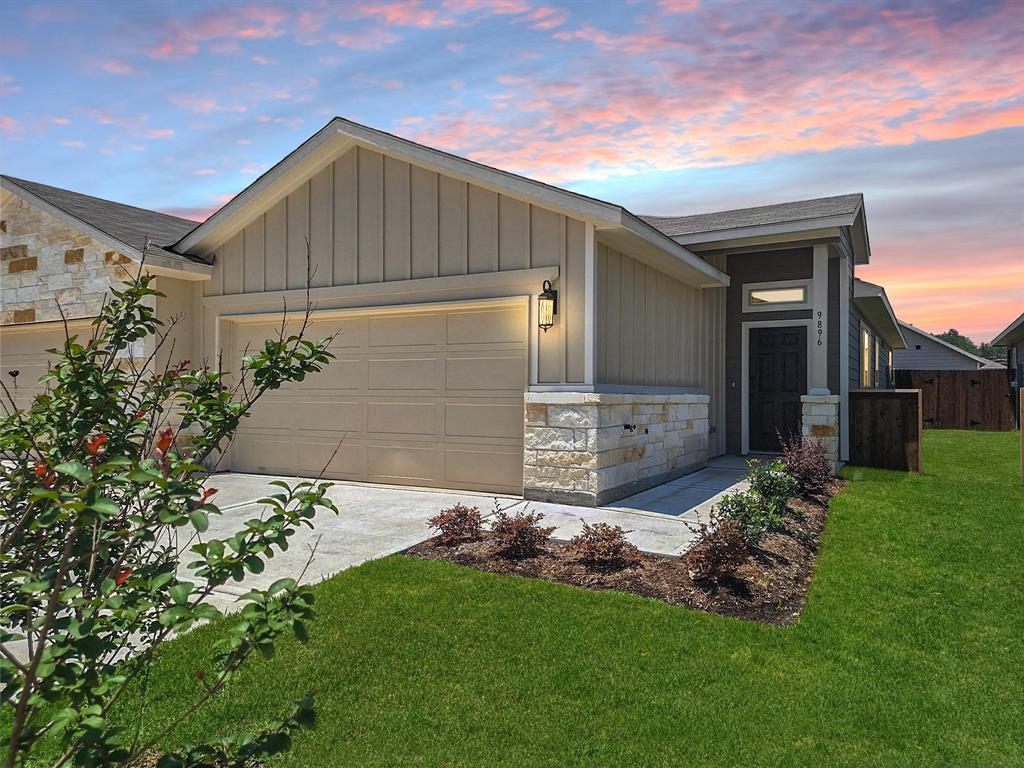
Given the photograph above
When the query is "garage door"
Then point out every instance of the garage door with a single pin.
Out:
(23, 349)
(429, 397)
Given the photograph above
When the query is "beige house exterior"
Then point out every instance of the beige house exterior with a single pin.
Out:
(427, 267)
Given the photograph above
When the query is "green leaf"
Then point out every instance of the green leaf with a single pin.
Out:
(180, 592)
(105, 506)
(75, 470)
(281, 584)
(200, 520)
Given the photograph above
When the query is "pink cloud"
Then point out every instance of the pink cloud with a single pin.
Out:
(546, 17)
(77, 144)
(117, 67)
(61, 121)
(159, 133)
(454, 46)
(9, 124)
(197, 213)
(8, 86)
(222, 26)
(372, 39)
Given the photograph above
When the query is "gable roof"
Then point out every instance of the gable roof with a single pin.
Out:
(121, 227)
(1011, 334)
(982, 361)
(617, 225)
(780, 218)
(873, 304)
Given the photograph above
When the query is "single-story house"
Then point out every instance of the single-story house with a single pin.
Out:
(1012, 337)
(925, 352)
(670, 339)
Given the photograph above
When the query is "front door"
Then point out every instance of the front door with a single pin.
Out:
(778, 377)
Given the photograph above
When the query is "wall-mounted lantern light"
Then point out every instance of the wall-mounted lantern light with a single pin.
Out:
(547, 307)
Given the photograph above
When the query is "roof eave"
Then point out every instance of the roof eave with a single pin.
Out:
(182, 268)
(942, 342)
(872, 302)
(1013, 333)
(684, 265)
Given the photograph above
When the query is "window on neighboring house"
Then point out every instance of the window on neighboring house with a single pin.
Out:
(865, 359)
(891, 374)
(878, 361)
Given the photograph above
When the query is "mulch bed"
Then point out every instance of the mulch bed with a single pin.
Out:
(770, 587)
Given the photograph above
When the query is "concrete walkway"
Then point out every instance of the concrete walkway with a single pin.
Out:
(379, 520)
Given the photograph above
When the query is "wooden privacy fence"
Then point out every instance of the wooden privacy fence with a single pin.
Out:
(981, 400)
(885, 428)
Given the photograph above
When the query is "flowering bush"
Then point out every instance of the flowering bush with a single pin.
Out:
(604, 546)
(457, 524)
(520, 535)
(97, 507)
(807, 461)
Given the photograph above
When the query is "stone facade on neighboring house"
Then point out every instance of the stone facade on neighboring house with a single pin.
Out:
(44, 261)
(593, 448)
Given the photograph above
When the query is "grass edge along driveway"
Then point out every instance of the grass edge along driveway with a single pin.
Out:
(910, 651)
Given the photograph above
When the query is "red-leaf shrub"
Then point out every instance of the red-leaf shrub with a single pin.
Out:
(807, 461)
(520, 535)
(457, 524)
(604, 546)
(721, 548)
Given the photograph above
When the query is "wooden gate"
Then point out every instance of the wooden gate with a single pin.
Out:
(885, 428)
(980, 400)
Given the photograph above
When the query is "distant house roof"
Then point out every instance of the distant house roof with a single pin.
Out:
(123, 227)
(983, 362)
(874, 306)
(758, 216)
(1012, 334)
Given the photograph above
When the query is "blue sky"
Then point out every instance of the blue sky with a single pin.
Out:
(679, 106)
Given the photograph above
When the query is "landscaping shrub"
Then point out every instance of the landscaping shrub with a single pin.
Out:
(604, 546)
(807, 461)
(520, 535)
(457, 524)
(773, 484)
(752, 513)
(721, 548)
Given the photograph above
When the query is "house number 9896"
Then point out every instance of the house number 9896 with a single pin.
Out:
(821, 328)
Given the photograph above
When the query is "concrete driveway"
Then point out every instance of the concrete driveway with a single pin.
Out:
(379, 520)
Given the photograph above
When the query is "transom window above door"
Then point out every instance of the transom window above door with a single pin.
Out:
(776, 296)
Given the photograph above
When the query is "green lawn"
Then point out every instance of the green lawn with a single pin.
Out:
(910, 652)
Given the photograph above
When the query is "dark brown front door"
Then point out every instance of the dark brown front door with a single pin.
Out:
(778, 377)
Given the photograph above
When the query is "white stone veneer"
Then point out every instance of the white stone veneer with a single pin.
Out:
(592, 448)
(820, 423)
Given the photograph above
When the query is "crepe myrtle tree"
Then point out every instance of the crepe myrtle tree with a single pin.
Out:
(102, 497)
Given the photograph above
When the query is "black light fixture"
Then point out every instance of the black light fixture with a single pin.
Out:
(547, 307)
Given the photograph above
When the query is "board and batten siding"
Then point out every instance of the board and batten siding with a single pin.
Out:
(654, 331)
(371, 218)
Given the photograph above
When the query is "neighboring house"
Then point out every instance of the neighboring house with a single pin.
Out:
(1012, 337)
(877, 334)
(926, 352)
(674, 338)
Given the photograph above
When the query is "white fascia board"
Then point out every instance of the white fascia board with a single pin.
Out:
(875, 306)
(704, 275)
(183, 269)
(1010, 333)
(761, 230)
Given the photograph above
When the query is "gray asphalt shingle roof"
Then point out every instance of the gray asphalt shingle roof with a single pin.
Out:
(752, 217)
(125, 223)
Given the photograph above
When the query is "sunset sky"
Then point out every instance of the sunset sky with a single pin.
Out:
(672, 107)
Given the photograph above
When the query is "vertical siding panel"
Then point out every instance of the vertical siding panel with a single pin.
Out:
(371, 216)
(255, 255)
(575, 330)
(652, 352)
(423, 222)
(514, 234)
(639, 322)
(613, 308)
(321, 227)
(626, 315)
(483, 230)
(298, 231)
(276, 245)
(551, 349)
(601, 331)
(215, 285)
(397, 226)
(233, 256)
(544, 232)
(346, 219)
(452, 226)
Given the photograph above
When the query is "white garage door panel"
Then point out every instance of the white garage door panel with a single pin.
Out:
(427, 397)
(25, 350)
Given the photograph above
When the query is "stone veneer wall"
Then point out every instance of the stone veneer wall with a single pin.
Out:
(821, 423)
(593, 448)
(43, 260)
